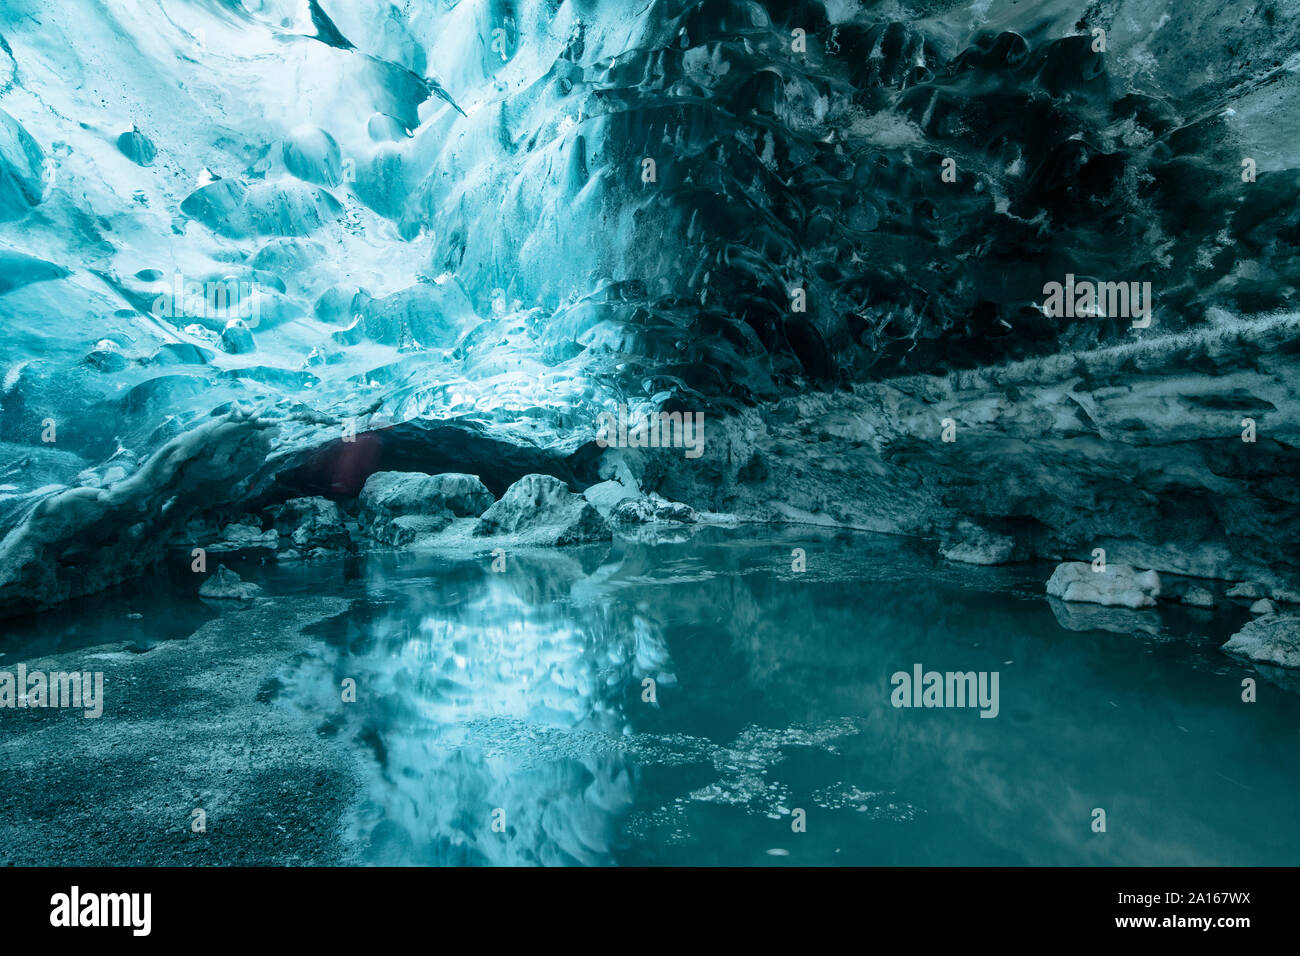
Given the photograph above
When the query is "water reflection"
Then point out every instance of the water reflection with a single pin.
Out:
(474, 690)
(523, 692)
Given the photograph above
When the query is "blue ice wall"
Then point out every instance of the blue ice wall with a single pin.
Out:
(231, 229)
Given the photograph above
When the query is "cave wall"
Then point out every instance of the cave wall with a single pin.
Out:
(469, 228)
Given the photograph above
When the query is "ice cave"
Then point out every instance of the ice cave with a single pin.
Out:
(649, 432)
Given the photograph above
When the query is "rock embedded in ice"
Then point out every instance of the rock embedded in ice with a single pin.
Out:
(227, 585)
(541, 510)
(1272, 639)
(408, 529)
(605, 496)
(402, 530)
(397, 507)
(312, 523)
(1284, 594)
(971, 544)
(1243, 589)
(651, 509)
(1117, 586)
(1263, 606)
(394, 493)
(245, 534)
(1198, 597)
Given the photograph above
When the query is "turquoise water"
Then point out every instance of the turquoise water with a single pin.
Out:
(516, 698)
(505, 718)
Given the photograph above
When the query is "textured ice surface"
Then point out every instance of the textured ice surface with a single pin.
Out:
(437, 215)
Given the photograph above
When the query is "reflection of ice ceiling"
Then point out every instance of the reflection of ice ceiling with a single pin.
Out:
(440, 211)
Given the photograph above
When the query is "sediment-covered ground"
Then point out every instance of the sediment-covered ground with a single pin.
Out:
(185, 727)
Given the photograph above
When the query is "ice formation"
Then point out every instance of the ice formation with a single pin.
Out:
(237, 234)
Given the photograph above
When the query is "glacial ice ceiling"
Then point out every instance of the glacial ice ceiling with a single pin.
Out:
(439, 216)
